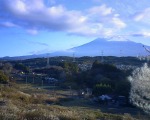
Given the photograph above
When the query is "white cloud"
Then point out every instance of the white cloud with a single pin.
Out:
(36, 43)
(143, 16)
(118, 22)
(32, 31)
(145, 33)
(101, 10)
(96, 21)
(142, 33)
(42, 51)
(8, 24)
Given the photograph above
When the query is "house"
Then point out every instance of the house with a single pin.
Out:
(85, 92)
(50, 80)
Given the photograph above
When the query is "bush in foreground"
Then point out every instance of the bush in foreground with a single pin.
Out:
(140, 88)
(3, 78)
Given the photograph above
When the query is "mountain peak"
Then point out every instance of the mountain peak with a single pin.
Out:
(101, 39)
(110, 48)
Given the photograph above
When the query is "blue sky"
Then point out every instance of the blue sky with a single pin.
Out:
(40, 26)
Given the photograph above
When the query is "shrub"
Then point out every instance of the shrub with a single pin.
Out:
(3, 78)
(101, 89)
(140, 88)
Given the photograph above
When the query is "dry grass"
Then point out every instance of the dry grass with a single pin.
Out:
(20, 106)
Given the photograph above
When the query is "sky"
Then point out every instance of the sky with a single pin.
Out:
(43, 26)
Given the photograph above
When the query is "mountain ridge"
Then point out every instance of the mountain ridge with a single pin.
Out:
(97, 47)
(111, 48)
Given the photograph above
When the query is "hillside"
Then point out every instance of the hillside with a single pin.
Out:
(97, 47)
(110, 48)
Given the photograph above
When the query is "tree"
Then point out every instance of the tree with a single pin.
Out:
(102, 89)
(69, 66)
(96, 64)
(7, 68)
(123, 88)
(3, 78)
(22, 67)
(140, 88)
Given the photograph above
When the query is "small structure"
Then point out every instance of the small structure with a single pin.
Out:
(85, 92)
(50, 80)
(105, 99)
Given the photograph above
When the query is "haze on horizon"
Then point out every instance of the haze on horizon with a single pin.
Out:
(42, 26)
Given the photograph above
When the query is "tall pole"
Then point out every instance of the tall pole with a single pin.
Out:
(33, 80)
(73, 57)
(26, 80)
(47, 65)
(47, 61)
(54, 90)
(102, 53)
(42, 82)
(71, 93)
(120, 53)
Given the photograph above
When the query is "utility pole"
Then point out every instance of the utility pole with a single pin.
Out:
(102, 53)
(33, 80)
(26, 80)
(120, 53)
(47, 61)
(74, 57)
(70, 88)
(42, 81)
(54, 90)
(47, 65)
(139, 57)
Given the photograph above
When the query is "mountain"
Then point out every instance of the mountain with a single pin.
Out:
(110, 48)
(97, 47)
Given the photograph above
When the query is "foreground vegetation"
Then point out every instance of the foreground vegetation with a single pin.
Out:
(17, 105)
(25, 92)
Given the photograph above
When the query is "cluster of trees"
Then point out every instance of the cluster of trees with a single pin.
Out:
(5, 72)
(53, 71)
(140, 88)
(102, 78)
(101, 89)
(105, 79)
(22, 67)
(70, 67)
(3, 78)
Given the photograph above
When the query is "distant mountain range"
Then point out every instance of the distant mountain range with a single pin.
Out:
(110, 48)
(97, 47)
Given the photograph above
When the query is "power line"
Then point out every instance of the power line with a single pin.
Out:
(47, 61)
(102, 54)
(73, 57)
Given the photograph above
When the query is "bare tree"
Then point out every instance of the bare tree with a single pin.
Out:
(140, 88)
(7, 68)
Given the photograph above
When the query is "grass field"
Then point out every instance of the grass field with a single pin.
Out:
(66, 99)
(33, 101)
